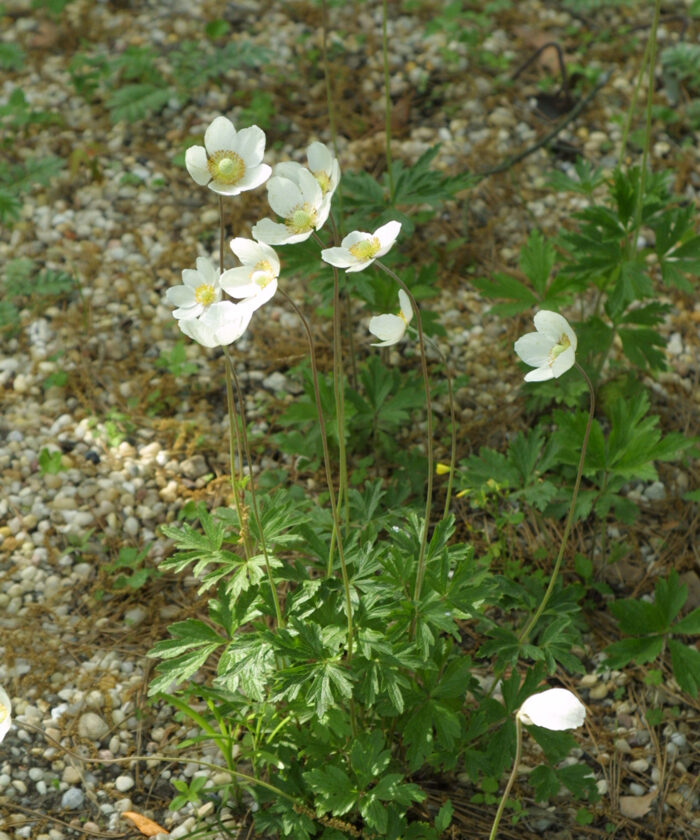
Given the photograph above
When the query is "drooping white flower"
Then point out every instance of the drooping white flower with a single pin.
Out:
(556, 708)
(391, 328)
(359, 249)
(5, 713)
(551, 350)
(229, 162)
(201, 288)
(296, 196)
(256, 279)
(221, 324)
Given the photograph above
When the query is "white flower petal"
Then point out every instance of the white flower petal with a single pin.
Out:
(208, 272)
(288, 169)
(354, 237)
(274, 233)
(191, 278)
(254, 177)
(541, 374)
(180, 296)
(283, 195)
(533, 349)
(553, 325)
(387, 235)
(389, 328)
(5, 713)
(238, 282)
(248, 251)
(405, 304)
(556, 708)
(250, 145)
(196, 163)
(320, 158)
(220, 135)
(310, 190)
(339, 257)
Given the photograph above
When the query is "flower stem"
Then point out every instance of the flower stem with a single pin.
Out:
(453, 423)
(387, 105)
(253, 495)
(329, 476)
(234, 435)
(525, 632)
(511, 779)
(429, 438)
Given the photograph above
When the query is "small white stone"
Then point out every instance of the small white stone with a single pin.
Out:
(636, 790)
(639, 765)
(92, 726)
(123, 783)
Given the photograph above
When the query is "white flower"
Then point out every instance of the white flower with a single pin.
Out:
(359, 249)
(230, 161)
(325, 169)
(556, 708)
(5, 713)
(551, 350)
(391, 328)
(201, 289)
(221, 324)
(296, 196)
(256, 279)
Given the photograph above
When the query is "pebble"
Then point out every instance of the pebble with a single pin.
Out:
(639, 765)
(92, 726)
(123, 783)
(72, 799)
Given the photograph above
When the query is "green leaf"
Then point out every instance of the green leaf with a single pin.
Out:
(135, 101)
(333, 789)
(368, 757)
(640, 651)
(689, 625)
(444, 817)
(686, 666)
(637, 618)
(669, 597)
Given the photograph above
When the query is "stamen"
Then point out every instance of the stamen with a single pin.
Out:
(227, 167)
(205, 294)
(365, 249)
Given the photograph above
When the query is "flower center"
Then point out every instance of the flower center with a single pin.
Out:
(226, 167)
(302, 219)
(3, 713)
(365, 249)
(558, 349)
(323, 179)
(262, 273)
(205, 294)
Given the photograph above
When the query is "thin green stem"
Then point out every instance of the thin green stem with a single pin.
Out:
(632, 107)
(329, 475)
(222, 234)
(453, 424)
(387, 104)
(511, 778)
(234, 435)
(251, 484)
(429, 436)
(647, 129)
(525, 633)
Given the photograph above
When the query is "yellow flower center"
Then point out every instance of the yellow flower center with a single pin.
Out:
(302, 219)
(558, 349)
(365, 249)
(262, 273)
(205, 294)
(323, 179)
(226, 167)
(3, 713)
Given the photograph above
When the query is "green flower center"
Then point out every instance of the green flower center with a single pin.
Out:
(365, 249)
(323, 179)
(558, 349)
(226, 167)
(263, 273)
(205, 294)
(302, 219)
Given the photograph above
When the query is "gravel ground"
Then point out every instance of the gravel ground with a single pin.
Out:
(125, 220)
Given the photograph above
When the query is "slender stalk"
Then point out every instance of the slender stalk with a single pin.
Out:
(329, 475)
(234, 435)
(339, 393)
(647, 129)
(511, 778)
(453, 423)
(251, 484)
(222, 234)
(525, 632)
(387, 104)
(429, 437)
